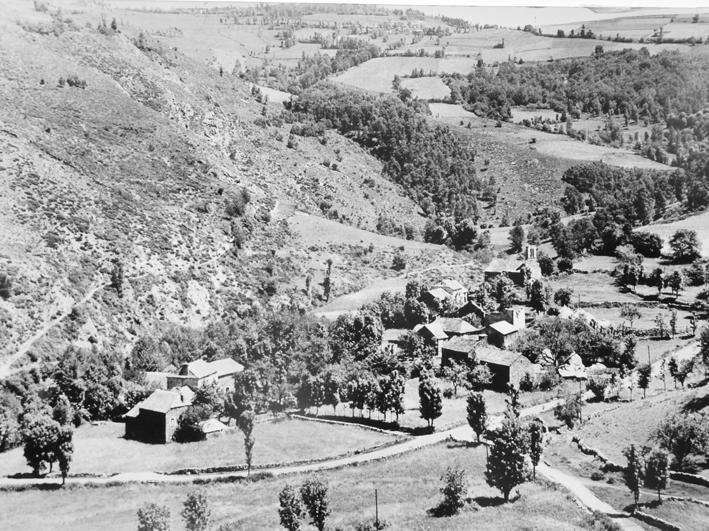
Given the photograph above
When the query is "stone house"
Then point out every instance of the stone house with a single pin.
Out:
(154, 420)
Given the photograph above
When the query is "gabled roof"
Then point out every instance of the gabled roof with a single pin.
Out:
(438, 293)
(163, 401)
(198, 368)
(433, 330)
(392, 335)
(496, 356)
(461, 344)
(455, 325)
(211, 426)
(504, 327)
(450, 284)
(226, 366)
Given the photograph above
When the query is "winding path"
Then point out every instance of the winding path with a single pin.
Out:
(459, 433)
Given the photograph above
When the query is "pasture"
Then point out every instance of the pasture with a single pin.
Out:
(101, 449)
(426, 88)
(408, 486)
(698, 223)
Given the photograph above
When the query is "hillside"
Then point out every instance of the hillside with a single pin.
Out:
(140, 165)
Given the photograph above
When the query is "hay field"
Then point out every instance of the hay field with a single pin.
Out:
(427, 88)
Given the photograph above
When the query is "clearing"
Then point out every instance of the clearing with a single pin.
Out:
(698, 223)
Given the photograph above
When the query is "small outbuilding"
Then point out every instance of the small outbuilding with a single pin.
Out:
(506, 367)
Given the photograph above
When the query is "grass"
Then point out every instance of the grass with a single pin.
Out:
(407, 487)
(698, 223)
(103, 450)
(427, 88)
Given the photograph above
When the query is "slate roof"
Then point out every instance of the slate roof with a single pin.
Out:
(504, 327)
(211, 426)
(462, 344)
(500, 265)
(198, 368)
(226, 366)
(455, 325)
(497, 356)
(163, 401)
(438, 293)
(450, 284)
(434, 330)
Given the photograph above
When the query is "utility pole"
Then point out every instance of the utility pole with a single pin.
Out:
(648, 356)
(376, 509)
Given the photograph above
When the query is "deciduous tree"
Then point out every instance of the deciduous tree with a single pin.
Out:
(291, 510)
(633, 472)
(657, 471)
(196, 512)
(477, 414)
(314, 495)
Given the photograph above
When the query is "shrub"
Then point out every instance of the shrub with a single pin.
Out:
(5, 286)
(399, 262)
(153, 517)
(453, 491)
(236, 206)
(526, 384)
(565, 265)
(647, 244)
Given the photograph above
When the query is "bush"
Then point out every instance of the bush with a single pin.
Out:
(5, 286)
(565, 265)
(598, 387)
(399, 262)
(548, 381)
(546, 264)
(647, 244)
(188, 429)
(236, 206)
(526, 384)
(453, 491)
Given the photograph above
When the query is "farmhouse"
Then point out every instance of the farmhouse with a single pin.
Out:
(154, 420)
(392, 337)
(453, 326)
(432, 332)
(459, 349)
(198, 373)
(504, 365)
(457, 293)
(517, 271)
(502, 334)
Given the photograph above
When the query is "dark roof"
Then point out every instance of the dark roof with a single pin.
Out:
(462, 344)
(497, 356)
(455, 325)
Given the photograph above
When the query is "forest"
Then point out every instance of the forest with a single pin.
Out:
(630, 83)
(433, 164)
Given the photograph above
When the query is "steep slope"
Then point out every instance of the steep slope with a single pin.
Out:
(140, 165)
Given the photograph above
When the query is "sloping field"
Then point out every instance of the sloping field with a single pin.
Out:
(699, 223)
(427, 88)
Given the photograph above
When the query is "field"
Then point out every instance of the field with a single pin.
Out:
(407, 487)
(103, 450)
(426, 88)
(698, 223)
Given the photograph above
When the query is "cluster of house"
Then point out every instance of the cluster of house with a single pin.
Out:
(155, 419)
(456, 340)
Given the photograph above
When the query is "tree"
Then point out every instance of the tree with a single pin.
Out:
(153, 517)
(41, 434)
(563, 296)
(673, 367)
(117, 277)
(630, 312)
(644, 375)
(64, 451)
(546, 264)
(660, 325)
(503, 290)
(536, 445)
(196, 512)
(246, 425)
(633, 472)
(539, 295)
(673, 322)
(517, 238)
(453, 490)
(505, 465)
(675, 281)
(656, 279)
(704, 347)
(291, 509)
(684, 370)
(657, 471)
(430, 402)
(477, 414)
(456, 373)
(682, 436)
(479, 377)
(314, 495)
(685, 246)
(570, 410)
(189, 424)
